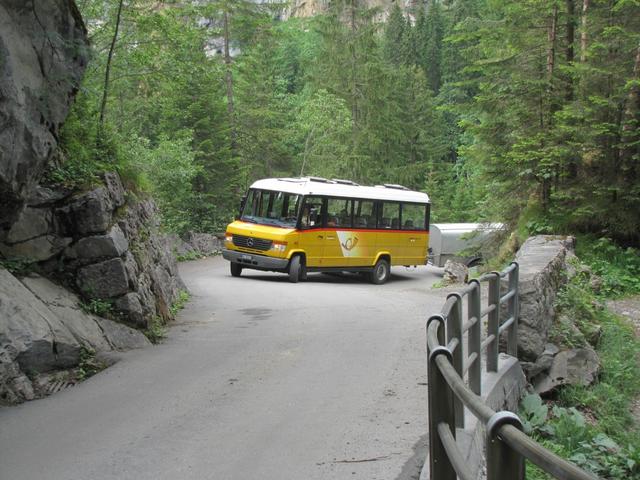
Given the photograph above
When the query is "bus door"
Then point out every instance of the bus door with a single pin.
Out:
(339, 237)
(312, 234)
(414, 222)
(361, 242)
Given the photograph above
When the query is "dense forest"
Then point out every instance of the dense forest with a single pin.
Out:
(522, 111)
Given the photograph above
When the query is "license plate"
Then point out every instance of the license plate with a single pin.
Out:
(246, 257)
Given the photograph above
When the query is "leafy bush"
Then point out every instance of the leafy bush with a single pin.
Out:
(566, 431)
(181, 301)
(618, 267)
(156, 331)
(102, 308)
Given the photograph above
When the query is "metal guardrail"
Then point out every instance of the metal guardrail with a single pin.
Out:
(507, 446)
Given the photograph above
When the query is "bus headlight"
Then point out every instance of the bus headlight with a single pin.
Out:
(278, 247)
(228, 238)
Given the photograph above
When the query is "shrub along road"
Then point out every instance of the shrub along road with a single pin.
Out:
(258, 379)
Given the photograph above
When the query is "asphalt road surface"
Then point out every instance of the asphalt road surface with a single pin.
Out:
(259, 379)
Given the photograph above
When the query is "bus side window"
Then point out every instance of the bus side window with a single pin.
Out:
(413, 216)
(390, 215)
(339, 211)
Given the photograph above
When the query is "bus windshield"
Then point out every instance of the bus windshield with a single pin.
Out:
(267, 207)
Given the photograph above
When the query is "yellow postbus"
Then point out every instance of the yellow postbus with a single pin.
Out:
(300, 225)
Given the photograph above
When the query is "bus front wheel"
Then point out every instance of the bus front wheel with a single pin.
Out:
(236, 269)
(297, 270)
(381, 272)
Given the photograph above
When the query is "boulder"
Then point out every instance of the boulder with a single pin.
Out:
(32, 223)
(114, 187)
(41, 196)
(106, 279)
(455, 272)
(178, 246)
(37, 249)
(66, 306)
(31, 335)
(204, 243)
(43, 47)
(121, 336)
(112, 244)
(543, 272)
(579, 366)
(129, 306)
(87, 214)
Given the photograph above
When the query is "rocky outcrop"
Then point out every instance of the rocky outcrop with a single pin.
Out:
(43, 53)
(102, 246)
(578, 366)
(543, 271)
(309, 8)
(193, 245)
(43, 328)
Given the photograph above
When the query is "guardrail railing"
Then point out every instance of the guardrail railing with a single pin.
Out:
(507, 446)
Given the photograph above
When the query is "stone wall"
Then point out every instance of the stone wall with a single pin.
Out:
(543, 271)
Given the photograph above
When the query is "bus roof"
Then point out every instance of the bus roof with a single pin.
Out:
(340, 188)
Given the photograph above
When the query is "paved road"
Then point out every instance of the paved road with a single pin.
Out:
(259, 379)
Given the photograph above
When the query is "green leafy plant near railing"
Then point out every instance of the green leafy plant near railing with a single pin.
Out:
(567, 432)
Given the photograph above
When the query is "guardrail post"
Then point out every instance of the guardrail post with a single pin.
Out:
(474, 338)
(512, 338)
(454, 331)
(503, 462)
(440, 409)
(493, 324)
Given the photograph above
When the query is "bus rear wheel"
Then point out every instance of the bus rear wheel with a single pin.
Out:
(236, 269)
(381, 272)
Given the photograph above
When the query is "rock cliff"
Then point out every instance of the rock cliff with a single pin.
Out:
(309, 8)
(70, 251)
(43, 53)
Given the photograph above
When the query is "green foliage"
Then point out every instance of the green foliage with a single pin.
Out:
(619, 268)
(88, 365)
(17, 266)
(102, 308)
(567, 433)
(157, 330)
(179, 304)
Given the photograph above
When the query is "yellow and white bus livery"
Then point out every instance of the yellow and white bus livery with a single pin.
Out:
(300, 225)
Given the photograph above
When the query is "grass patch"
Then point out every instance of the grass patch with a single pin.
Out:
(101, 308)
(156, 331)
(181, 301)
(17, 266)
(192, 255)
(88, 365)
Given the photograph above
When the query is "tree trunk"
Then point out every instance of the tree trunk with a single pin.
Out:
(583, 32)
(551, 36)
(229, 82)
(354, 66)
(631, 120)
(107, 73)
(569, 53)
